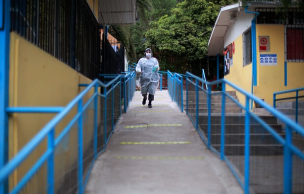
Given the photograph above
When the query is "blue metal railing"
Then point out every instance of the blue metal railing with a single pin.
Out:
(93, 122)
(296, 91)
(252, 128)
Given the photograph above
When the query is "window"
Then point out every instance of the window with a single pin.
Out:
(247, 50)
(294, 44)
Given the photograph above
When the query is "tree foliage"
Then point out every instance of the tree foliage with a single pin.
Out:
(184, 35)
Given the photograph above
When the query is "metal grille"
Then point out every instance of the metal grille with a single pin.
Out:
(294, 43)
(67, 30)
(247, 45)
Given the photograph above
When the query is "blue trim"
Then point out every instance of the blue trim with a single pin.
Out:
(223, 122)
(285, 74)
(247, 148)
(34, 109)
(95, 120)
(51, 165)
(80, 148)
(4, 81)
(288, 161)
(209, 116)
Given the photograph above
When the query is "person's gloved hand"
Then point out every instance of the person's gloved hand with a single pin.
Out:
(154, 69)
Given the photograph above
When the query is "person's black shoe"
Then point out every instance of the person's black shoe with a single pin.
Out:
(150, 105)
(144, 101)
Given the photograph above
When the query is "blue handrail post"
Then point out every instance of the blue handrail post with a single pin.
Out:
(50, 170)
(113, 107)
(223, 121)
(247, 147)
(182, 95)
(120, 96)
(174, 85)
(196, 104)
(297, 105)
(161, 82)
(95, 119)
(4, 83)
(186, 94)
(209, 116)
(274, 100)
(105, 117)
(124, 93)
(80, 144)
(288, 161)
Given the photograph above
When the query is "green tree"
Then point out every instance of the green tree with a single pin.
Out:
(183, 36)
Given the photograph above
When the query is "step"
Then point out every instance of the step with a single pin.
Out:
(213, 104)
(255, 150)
(288, 111)
(255, 138)
(239, 128)
(233, 118)
(204, 97)
(217, 110)
(233, 93)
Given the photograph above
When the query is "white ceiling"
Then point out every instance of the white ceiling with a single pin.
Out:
(116, 12)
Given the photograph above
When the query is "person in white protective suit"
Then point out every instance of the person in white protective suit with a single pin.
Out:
(148, 68)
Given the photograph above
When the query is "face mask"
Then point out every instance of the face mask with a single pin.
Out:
(148, 55)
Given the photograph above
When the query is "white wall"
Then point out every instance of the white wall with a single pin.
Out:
(242, 23)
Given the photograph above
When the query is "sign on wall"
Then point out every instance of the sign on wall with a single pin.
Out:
(268, 59)
(264, 44)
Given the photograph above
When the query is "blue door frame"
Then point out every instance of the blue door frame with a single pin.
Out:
(4, 67)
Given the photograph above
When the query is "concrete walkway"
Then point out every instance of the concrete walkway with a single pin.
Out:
(159, 151)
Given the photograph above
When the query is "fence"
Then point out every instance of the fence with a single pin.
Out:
(289, 92)
(67, 154)
(67, 30)
(264, 153)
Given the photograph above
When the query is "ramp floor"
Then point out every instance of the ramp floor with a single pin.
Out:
(157, 150)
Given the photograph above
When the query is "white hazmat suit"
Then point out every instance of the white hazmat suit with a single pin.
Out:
(149, 78)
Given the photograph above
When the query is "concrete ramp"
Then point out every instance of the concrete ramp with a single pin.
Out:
(157, 150)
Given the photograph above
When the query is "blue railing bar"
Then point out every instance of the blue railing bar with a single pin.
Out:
(34, 109)
(201, 135)
(197, 105)
(268, 128)
(296, 151)
(288, 161)
(89, 101)
(66, 129)
(31, 172)
(209, 116)
(88, 174)
(112, 88)
(247, 147)
(297, 100)
(234, 173)
(288, 98)
(182, 95)
(50, 163)
(285, 73)
(215, 151)
(223, 121)
(287, 91)
(80, 148)
(95, 120)
(187, 95)
(105, 116)
(101, 95)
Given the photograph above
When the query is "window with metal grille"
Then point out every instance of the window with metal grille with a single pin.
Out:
(247, 51)
(294, 51)
(66, 29)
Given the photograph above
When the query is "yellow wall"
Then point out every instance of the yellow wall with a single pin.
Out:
(39, 79)
(94, 7)
(271, 78)
(239, 75)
